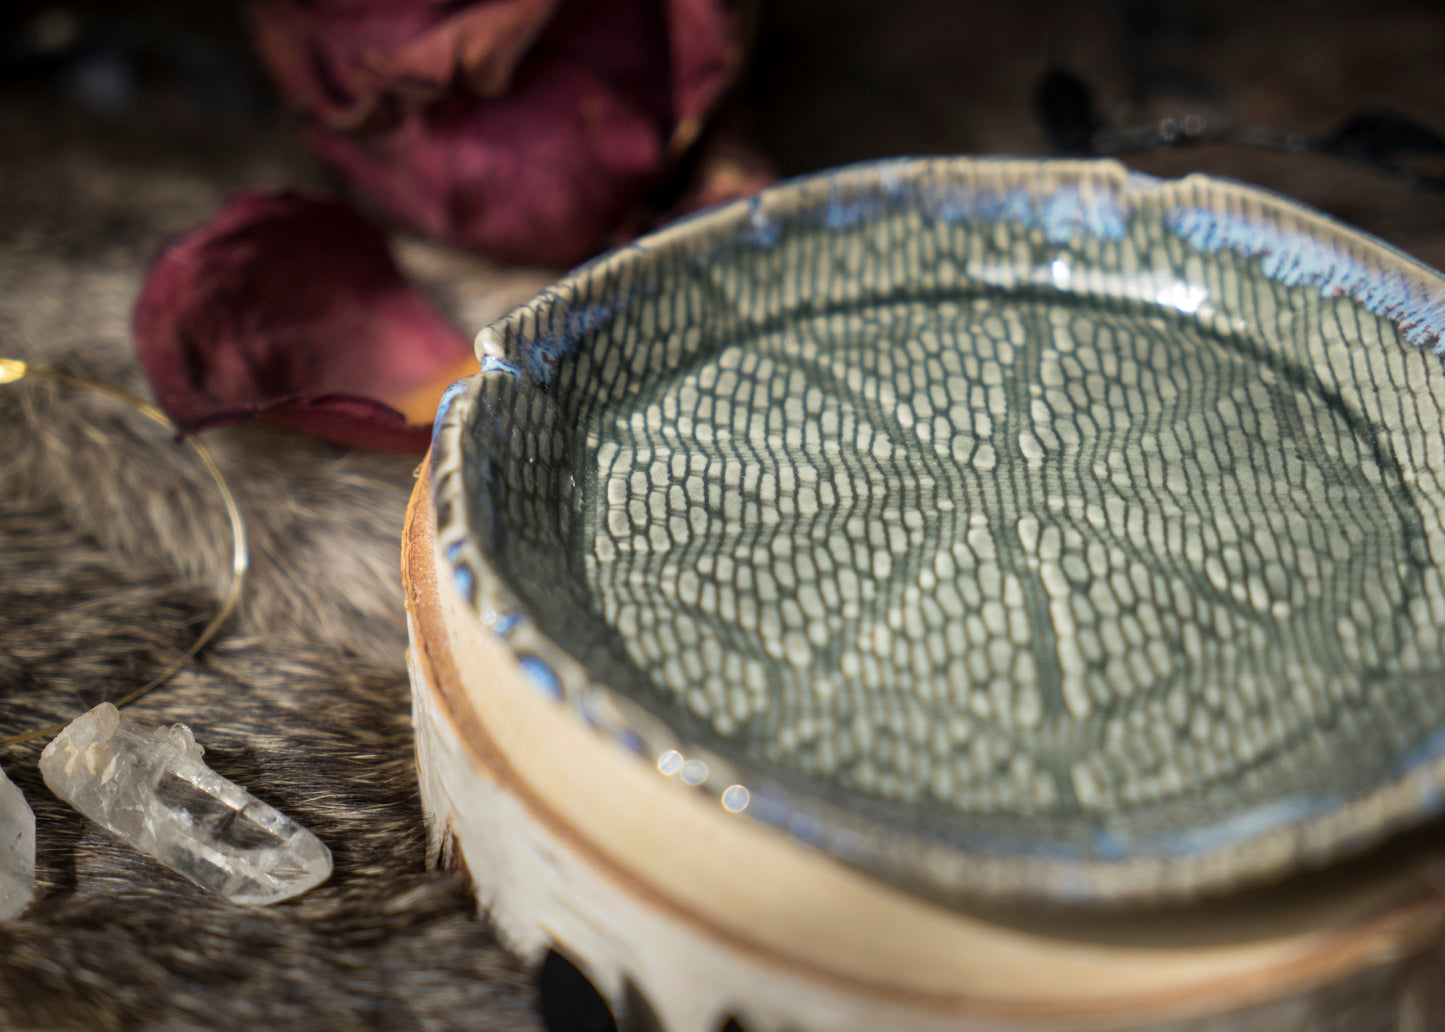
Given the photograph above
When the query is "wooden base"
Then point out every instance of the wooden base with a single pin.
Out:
(574, 844)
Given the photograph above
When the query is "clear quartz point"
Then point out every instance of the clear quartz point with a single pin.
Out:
(17, 849)
(150, 787)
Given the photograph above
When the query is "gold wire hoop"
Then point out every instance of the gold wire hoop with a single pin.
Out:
(11, 370)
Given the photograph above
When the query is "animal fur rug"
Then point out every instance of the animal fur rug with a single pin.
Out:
(114, 550)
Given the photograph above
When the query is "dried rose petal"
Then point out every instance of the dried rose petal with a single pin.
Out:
(539, 179)
(702, 60)
(339, 61)
(291, 306)
(510, 127)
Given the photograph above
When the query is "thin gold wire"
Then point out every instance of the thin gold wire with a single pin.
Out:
(11, 370)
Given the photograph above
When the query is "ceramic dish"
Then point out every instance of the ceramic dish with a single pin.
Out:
(995, 529)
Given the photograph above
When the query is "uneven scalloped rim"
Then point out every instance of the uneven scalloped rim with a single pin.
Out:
(1301, 246)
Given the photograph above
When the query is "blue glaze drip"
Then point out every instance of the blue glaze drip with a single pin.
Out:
(1432, 800)
(493, 364)
(1297, 259)
(1064, 215)
(485, 463)
(465, 582)
(845, 214)
(1068, 214)
(543, 354)
(761, 230)
(1107, 844)
(1017, 206)
(504, 624)
(871, 202)
(543, 677)
(1242, 827)
(631, 741)
(454, 390)
(588, 707)
(951, 205)
(1428, 750)
(809, 828)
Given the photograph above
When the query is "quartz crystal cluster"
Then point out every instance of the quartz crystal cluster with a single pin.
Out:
(17, 849)
(150, 787)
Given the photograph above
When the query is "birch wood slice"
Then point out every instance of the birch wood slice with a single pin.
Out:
(941, 594)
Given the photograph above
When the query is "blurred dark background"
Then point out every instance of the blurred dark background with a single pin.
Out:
(853, 79)
(1277, 89)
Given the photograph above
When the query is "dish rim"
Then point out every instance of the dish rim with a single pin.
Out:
(1255, 845)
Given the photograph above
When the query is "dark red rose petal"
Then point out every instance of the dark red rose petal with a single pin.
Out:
(338, 61)
(358, 422)
(291, 306)
(704, 57)
(538, 178)
(525, 129)
(480, 44)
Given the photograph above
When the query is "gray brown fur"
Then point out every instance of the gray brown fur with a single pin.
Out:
(113, 550)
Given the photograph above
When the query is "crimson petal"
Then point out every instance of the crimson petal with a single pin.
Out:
(538, 178)
(704, 58)
(528, 130)
(340, 61)
(291, 306)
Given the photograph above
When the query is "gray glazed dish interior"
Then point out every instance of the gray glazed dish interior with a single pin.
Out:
(1013, 527)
